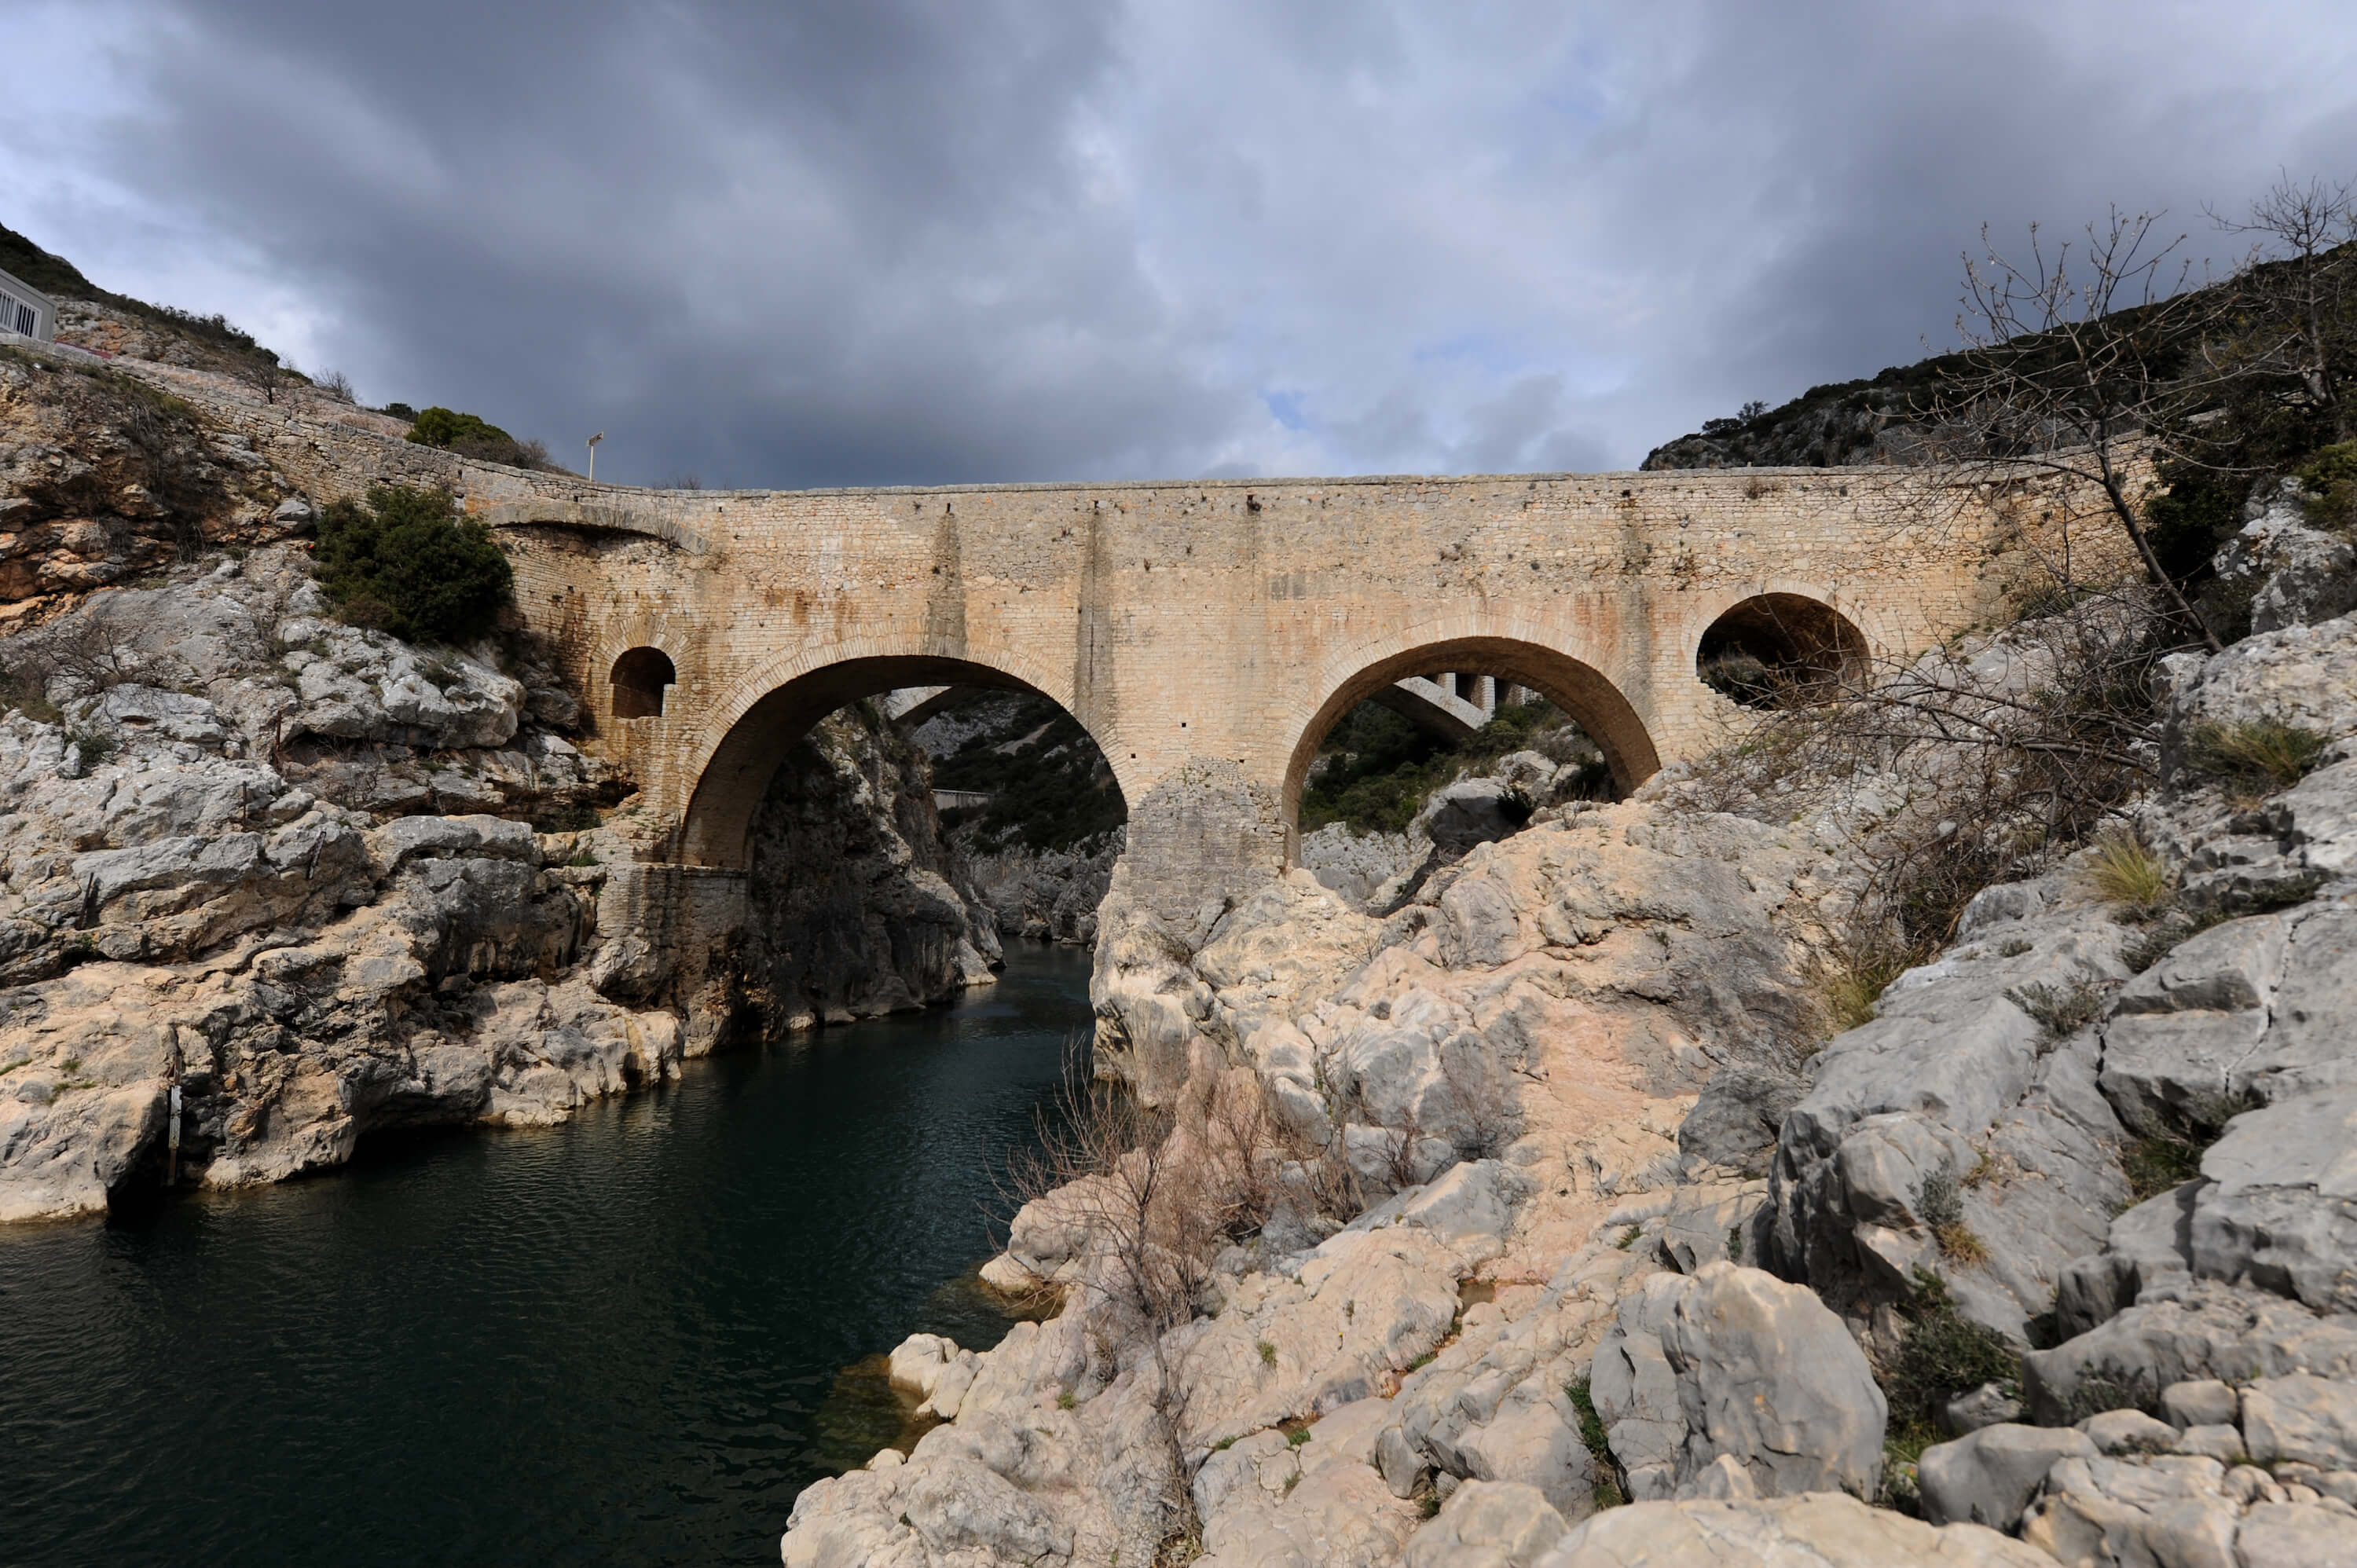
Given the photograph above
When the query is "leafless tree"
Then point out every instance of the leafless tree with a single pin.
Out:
(262, 372)
(2078, 368)
(2299, 295)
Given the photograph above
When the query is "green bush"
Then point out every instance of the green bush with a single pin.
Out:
(471, 435)
(1945, 1354)
(2330, 477)
(406, 563)
(447, 427)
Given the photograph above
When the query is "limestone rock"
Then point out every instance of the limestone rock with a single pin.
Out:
(1488, 1524)
(2202, 1330)
(1950, 1078)
(2301, 1419)
(2296, 576)
(365, 685)
(1990, 1476)
(856, 907)
(2303, 675)
(2256, 1009)
(2278, 1207)
(1823, 1529)
(1354, 865)
(1763, 1372)
(1736, 1121)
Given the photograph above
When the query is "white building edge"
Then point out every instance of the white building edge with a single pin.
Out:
(27, 311)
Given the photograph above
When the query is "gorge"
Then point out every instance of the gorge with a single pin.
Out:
(1779, 1106)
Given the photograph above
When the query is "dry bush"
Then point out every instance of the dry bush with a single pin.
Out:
(1155, 1191)
(1948, 773)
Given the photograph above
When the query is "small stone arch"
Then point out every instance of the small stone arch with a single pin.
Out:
(1577, 687)
(639, 681)
(732, 781)
(1771, 646)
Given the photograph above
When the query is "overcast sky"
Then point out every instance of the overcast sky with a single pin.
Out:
(886, 241)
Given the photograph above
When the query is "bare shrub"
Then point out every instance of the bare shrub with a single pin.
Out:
(262, 372)
(1952, 771)
(1154, 1191)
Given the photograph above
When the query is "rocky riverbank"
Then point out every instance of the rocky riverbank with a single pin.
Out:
(1574, 1239)
(317, 882)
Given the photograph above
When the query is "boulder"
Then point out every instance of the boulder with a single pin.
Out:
(1735, 1121)
(2118, 1431)
(1488, 1524)
(1821, 1530)
(1763, 1373)
(2173, 1509)
(2279, 1205)
(2197, 1401)
(1990, 1476)
(2301, 1419)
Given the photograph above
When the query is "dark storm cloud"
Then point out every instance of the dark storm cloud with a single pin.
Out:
(1019, 239)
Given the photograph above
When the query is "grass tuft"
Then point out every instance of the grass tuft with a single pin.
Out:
(2256, 752)
(2125, 871)
(1607, 1492)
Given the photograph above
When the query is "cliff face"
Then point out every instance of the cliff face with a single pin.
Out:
(857, 906)
(319, 881)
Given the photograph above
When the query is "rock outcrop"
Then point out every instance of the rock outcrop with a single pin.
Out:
(320, 882)
(857, 905)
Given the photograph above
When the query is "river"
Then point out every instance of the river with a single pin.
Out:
(622, 1340)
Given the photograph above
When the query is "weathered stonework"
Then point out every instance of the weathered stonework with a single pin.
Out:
(1206, 633)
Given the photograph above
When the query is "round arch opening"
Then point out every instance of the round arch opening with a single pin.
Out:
(1778, 650)
(1583, 694)
(640, 679)
(729, 790)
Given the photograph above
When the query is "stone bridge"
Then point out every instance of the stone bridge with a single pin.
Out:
(1207, 634)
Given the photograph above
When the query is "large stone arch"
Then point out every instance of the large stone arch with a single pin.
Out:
(1572, 684)
(748, 727)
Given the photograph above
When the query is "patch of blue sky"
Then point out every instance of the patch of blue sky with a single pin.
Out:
(1285, 408)
(1496, 362)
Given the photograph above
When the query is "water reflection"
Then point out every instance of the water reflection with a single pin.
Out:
(622, 1340)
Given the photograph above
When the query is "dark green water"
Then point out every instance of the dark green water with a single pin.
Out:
(618, 1341)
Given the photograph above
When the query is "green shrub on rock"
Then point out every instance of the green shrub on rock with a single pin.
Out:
(471, 435)
(1944, 1354)
(404, 561)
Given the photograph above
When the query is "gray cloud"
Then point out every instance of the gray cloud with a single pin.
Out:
(895, 241)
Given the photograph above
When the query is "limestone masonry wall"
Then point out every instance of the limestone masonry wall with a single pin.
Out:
(1207, 632)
